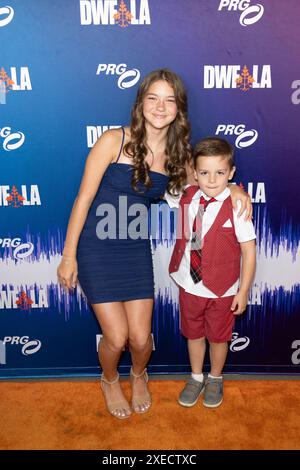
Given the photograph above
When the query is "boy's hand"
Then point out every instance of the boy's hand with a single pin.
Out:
(239, 303)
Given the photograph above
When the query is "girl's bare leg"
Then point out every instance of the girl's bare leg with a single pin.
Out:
(139, 315)
(113, 322)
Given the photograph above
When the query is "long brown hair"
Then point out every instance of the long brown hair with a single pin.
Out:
(178, 148)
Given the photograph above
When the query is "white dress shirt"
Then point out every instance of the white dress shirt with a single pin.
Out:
(244, 231)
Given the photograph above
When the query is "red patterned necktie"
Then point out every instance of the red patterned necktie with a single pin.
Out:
(195, 260)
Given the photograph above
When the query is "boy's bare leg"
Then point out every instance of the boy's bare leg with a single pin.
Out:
(218, 354)
(196, 349)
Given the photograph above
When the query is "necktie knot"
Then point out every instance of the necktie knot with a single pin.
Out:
(204, 202)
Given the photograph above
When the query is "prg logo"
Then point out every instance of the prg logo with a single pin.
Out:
(296, 94)
(127, 78)
(250, 14)
(29, 346)
(244, 138)
(19, 250)
(6, 15)
(12, 140)
(238, 344)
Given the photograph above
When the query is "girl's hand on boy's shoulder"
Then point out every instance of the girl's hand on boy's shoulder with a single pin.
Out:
(245, 206)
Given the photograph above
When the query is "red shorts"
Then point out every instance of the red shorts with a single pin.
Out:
(202, 317)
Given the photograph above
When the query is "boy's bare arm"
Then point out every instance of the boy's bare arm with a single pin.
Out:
(248, 251)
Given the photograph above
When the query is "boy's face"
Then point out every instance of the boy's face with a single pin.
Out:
(212, 174)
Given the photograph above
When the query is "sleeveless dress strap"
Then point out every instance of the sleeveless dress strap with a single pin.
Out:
(121, 145)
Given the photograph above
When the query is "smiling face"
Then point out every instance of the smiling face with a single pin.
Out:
(213, 174)
(159, 105)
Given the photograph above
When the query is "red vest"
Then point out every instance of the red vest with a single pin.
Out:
(221, 253)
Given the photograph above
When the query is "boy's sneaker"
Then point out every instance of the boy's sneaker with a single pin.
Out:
(191, 392)
(213, 395)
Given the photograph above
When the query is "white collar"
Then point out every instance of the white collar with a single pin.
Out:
(220, 197)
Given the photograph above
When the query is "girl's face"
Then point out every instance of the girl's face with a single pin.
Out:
(159, 105)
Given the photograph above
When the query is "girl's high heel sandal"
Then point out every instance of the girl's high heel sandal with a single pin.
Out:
(140, 403)
(119, 409)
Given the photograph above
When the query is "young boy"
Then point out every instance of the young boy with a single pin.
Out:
(206, 264)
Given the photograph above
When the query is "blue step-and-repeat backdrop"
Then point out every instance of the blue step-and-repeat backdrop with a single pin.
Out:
(69, 70)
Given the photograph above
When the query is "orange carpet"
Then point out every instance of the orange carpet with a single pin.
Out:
(71, 415)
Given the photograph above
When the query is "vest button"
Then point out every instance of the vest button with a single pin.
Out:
(179, 251)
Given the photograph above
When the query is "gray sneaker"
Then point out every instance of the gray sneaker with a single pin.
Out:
(191, 392)
(213, 395)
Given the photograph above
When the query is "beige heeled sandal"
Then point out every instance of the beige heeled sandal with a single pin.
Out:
(140, 400)
(115, 406)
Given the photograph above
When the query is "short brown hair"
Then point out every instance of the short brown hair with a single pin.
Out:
(213, 147)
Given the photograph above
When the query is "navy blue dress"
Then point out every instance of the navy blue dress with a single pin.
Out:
(119, 269)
